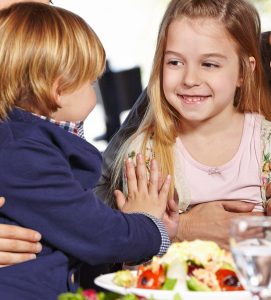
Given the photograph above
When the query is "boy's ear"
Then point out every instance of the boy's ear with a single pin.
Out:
(56, 92)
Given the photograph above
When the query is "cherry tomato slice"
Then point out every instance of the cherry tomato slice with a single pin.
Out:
(148, 279)
(228, 280)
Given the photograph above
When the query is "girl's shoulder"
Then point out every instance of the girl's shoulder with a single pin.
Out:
(266, 159)
(136, 145)
(266, 135)
(265, 127)
(265, 140)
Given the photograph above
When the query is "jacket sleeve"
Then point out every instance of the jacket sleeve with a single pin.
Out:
(42, 194)
(128, 127)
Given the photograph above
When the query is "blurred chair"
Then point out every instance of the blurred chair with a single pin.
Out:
(119, 91)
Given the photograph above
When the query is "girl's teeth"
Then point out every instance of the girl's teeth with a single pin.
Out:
(193, 99)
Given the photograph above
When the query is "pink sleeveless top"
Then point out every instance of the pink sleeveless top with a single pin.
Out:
(238, 179)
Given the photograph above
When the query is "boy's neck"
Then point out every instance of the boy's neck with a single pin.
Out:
(75, 128)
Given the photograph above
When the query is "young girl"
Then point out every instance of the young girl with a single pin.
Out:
(206, 122)
(48, 59)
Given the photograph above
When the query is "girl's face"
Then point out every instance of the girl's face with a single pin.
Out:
(76, 106)
(201, 69)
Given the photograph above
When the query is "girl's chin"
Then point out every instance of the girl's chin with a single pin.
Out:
(192, 117)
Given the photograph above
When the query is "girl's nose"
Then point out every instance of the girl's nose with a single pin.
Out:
(191, 77)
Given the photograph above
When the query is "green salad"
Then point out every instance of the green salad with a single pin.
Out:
(93, 295)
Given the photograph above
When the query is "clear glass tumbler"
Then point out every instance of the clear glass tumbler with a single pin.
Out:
(250, 242)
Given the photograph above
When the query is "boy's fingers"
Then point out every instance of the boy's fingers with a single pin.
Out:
(154, 178)
(131, 176)
(160, 180)
(120, 199)
(165, 189)
(141, 173)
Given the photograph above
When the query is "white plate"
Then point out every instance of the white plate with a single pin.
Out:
(106, 282)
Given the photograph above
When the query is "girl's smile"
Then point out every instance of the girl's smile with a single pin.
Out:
(192, 99)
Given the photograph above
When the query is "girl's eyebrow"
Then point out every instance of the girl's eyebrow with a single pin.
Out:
(173, 53)
(204, 56)
(217, 55)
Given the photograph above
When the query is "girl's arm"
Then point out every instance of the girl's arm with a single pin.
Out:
(17, 244)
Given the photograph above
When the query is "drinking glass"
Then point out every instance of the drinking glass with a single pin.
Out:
(250, 242)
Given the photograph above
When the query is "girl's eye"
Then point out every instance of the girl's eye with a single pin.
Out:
(174, 62)
(210, 65)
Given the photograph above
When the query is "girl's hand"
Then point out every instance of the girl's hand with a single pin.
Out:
(268, 195)
(143, 195)
(171, 219)
(17, 244)
(268, 208)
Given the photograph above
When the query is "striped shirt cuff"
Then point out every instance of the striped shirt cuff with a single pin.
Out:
(163, 232)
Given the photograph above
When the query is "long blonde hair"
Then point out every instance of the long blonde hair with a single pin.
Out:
(39, 45)
(242, 22)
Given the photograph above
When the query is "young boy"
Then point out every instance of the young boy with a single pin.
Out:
(17, 244)
(48, 58)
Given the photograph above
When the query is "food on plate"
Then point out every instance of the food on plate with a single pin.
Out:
(195, 266)
(124, 278)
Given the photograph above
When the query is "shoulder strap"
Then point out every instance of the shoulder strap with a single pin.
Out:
(266, 158)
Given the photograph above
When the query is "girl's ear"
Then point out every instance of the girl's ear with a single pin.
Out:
(252, 61)
(56, 92)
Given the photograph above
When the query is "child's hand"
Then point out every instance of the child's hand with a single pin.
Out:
(268, 208)
(268, 196)
(143, 195)
(171, 218)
